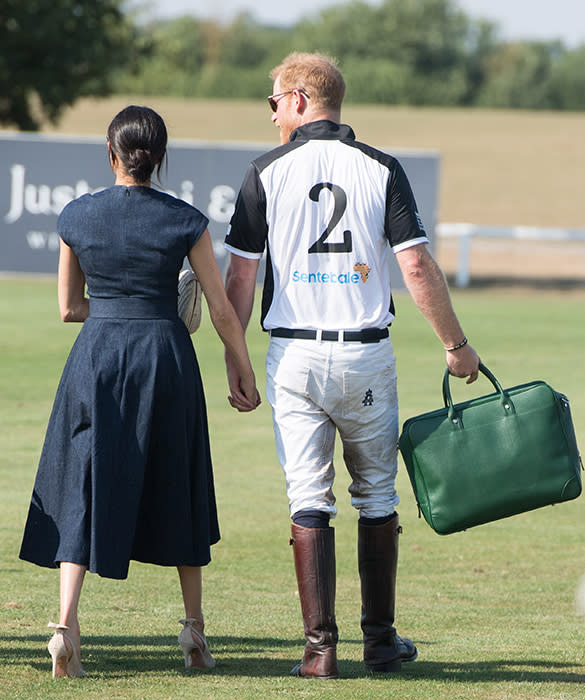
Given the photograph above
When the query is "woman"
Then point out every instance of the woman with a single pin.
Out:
(125, 472)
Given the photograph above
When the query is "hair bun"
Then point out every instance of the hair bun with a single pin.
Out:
(140, 164)
(138, 136)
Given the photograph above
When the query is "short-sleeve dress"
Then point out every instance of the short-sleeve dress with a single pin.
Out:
(125, 472)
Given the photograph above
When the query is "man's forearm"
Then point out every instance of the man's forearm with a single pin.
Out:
(427, 286)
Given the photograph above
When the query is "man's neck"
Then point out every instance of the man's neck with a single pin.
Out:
(323, 114)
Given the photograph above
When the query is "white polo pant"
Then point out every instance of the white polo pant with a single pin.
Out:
(318, 387)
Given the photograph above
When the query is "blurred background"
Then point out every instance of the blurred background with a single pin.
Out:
(466, 53)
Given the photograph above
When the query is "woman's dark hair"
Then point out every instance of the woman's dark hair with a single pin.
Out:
(138, 136)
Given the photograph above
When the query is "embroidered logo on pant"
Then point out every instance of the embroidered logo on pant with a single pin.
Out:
(368, 398)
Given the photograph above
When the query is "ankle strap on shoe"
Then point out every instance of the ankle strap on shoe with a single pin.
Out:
(59, 628)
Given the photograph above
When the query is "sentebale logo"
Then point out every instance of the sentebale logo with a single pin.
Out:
(360, 272)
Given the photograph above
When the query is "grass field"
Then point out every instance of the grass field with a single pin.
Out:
(491, 610)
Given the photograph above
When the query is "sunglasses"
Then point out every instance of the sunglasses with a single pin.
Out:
(273, 102)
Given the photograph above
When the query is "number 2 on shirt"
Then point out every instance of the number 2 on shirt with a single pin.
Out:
(340, 204)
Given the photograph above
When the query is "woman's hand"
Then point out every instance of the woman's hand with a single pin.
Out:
(244, 395)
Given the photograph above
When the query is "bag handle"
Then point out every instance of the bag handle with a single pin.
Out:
(505, 400)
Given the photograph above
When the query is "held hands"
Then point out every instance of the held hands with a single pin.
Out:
(239, 399)
(244, 395)
(463, 362)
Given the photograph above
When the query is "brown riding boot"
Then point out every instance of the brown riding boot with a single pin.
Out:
(314, 553)
(384, 650)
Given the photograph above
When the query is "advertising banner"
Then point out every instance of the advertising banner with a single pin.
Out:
(39, 175)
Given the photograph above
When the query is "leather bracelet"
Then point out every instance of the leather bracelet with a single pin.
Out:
(459, 345)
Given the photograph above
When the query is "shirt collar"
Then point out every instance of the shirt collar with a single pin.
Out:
(323, 129)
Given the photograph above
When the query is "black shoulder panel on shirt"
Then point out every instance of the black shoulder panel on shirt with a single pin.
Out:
(383, 158)
(266, 159)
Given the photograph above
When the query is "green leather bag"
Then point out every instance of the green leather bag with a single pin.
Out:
(491, 457)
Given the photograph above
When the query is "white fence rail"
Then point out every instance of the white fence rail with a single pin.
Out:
(466, 232)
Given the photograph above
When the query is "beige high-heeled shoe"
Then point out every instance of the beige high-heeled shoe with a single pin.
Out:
(66, 661)
(194, 645)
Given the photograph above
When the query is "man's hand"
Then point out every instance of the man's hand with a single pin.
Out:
(463, 362)
(243, 393)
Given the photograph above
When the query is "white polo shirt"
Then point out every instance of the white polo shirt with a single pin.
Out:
(327, 209)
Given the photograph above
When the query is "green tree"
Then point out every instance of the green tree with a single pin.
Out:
(482, 42)
(401, 52)
(198, 58)
(519, 75)
(248, 53)
(568, 80)
(247, 44)
(53, 52)
(410, 52)
(173, 55)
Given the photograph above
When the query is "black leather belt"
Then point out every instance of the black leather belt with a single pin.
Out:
(367, 335)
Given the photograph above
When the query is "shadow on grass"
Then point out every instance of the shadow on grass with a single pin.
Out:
(264, 657)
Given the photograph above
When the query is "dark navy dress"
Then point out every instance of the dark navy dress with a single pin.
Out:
(125, 472)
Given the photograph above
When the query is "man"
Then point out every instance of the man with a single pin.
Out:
(328, 209)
